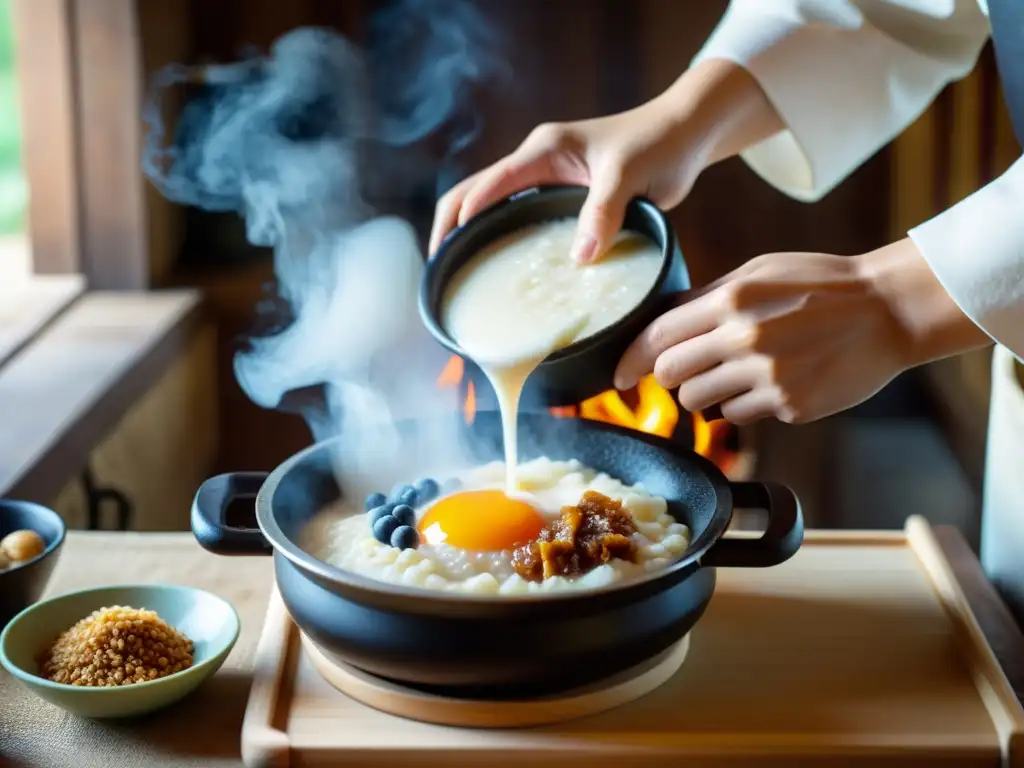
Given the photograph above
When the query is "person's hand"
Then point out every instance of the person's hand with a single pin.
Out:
(618, 157)
(800, 336)
(656, 151)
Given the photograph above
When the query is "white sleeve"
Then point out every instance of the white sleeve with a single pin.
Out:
(846, 76)
(976, 250)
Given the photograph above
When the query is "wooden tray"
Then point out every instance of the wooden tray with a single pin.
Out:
(861, 650)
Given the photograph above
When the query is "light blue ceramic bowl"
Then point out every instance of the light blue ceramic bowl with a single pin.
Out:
(209, 621)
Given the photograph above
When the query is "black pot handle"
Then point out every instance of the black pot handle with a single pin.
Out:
(209, 511)
(782, 538)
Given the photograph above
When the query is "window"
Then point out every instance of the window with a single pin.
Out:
(73, 218)
(14, 253)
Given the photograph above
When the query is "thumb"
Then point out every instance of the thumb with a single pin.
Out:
(600, 218)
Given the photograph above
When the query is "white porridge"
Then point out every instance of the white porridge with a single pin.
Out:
(343, 536)
(522, 297)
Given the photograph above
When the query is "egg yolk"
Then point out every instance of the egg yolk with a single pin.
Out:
(482, 521)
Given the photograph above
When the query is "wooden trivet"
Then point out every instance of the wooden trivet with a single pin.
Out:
(398, 700)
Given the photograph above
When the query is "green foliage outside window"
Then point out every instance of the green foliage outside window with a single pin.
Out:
(13, 191)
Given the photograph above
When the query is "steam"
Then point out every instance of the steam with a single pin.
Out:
(299, 143)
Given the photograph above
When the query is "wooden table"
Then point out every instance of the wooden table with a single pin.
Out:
(204, 730)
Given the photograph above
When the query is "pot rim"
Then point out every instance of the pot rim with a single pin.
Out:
(666, 241)
(309, 564)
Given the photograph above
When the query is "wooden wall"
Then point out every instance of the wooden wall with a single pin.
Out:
(167, 30)
(161, 450)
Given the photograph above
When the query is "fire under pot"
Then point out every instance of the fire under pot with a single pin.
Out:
(648, 407)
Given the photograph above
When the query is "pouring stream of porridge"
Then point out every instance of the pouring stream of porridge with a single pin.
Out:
(522, 298)
(509, 307)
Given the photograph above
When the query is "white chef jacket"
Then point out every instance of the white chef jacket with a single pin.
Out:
(846, 77)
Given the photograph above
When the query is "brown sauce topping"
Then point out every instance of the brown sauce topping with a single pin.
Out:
(586, 535)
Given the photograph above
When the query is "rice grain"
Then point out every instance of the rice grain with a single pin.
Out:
(117, 646)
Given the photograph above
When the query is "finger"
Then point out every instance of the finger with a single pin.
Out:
(446, 214)
(746, 269)
(601, 217)
(520, 170)
(716, 386)
(690, 358)
(475, 193)
(757, 404)
(674, 327)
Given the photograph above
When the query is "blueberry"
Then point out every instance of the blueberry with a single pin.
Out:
(383, 528)
(404, 494)
(380, 511)
(374, 500)
(405, 537)
(427, 489)
(404, 514)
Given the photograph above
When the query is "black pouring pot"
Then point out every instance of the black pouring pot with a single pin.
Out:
(511, 646)
(584, 369)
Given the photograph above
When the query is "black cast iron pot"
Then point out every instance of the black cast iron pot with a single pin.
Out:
(499, 647)
(584, 369)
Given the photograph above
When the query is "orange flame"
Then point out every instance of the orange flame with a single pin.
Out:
(710, 440)
(655, 412)
(452, 372)
(469, 407)
(450, 376)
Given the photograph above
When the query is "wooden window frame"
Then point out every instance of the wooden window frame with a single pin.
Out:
(44, 70)
(84, 337)
(79, 68)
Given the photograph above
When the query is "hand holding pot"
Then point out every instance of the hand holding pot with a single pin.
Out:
(800, 336)
(617, 157)
(655, 151)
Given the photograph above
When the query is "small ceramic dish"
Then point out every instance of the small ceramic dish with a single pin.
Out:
(207, 620)
(23, 583)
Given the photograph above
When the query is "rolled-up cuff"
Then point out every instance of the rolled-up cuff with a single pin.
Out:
(976, 250)
(842, 87)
